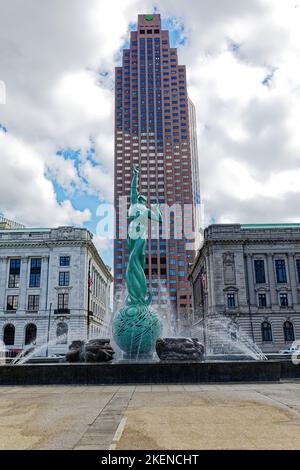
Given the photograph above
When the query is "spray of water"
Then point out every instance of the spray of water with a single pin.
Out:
(2, 353)
(25, 355)
(224, 338)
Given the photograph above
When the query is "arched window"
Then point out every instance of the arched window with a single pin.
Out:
(62, 333)
(288, 330)
(30, 333)
(266, 331)
(9, 335)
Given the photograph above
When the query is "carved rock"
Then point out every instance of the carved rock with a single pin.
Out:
(95, 350)
(179, 349)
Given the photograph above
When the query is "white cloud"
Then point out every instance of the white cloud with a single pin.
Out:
(25, 193)
(100, 182)
(102, 244)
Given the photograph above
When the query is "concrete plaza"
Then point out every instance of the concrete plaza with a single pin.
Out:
(179, 417)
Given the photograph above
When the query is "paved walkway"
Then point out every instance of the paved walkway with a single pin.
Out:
(250, 416)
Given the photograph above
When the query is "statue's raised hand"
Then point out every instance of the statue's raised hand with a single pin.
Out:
(135, 169)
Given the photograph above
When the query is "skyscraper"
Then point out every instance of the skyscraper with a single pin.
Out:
(155, 129)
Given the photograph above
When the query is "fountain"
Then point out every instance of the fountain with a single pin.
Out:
(137, 329)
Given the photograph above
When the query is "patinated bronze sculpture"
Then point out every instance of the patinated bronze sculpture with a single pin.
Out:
(137, 326)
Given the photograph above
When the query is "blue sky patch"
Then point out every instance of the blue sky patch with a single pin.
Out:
(268, 78)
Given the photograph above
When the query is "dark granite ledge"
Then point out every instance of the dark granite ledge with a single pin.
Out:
(148, 373)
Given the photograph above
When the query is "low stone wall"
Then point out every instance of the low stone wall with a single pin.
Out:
(148, 373)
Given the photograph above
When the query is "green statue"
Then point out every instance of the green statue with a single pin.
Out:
(137, 326)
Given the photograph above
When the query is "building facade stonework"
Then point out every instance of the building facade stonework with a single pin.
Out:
(53, 285)
(251, 275)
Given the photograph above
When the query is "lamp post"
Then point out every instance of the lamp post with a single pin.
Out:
(48, 332)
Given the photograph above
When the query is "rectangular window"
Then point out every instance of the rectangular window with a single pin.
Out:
(12, 302)
(14, 273)
(63, 301)
(64, 278)
(280, 270)
(259, 268)
(231, 300)
(283, 300)
(262, 300)
(33, 303)
(64, 261)
(35, 272)
(298, 269)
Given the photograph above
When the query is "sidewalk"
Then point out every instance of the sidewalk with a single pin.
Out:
(250, 416)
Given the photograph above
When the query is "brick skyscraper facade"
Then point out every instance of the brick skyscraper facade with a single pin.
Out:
(153, 130)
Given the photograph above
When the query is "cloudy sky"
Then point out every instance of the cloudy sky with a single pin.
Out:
(57, 60)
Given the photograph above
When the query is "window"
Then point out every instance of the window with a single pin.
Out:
(62, 333)
(12, 302)
(64, 261)
(231, 300)
(33, 303)
(14, 273)
(283, 300)
(280, 270)
(288, 331)
(63, 301)
(30, 333)
(266, 331)
(35, 272)
(64, 278)
(259, 268)
(262, 300)
(9, 335)
(298, 269)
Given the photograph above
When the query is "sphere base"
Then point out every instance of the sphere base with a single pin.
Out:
(135, 330)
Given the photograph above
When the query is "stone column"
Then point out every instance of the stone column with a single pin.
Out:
(293, 279)
(44, 284)
(252, 297)
(23, 285)
(272, 283)
(209, 280)
(3, 280)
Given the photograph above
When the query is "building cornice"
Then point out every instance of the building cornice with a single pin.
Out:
(103, 266)
(48, 244)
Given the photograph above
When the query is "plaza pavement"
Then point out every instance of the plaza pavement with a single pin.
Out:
(159, 417)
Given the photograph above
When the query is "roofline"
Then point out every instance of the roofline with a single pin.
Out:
(271, 225)
(274, 225)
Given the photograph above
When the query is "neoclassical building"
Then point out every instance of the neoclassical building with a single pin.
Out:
(250, 274)
(53, 286)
